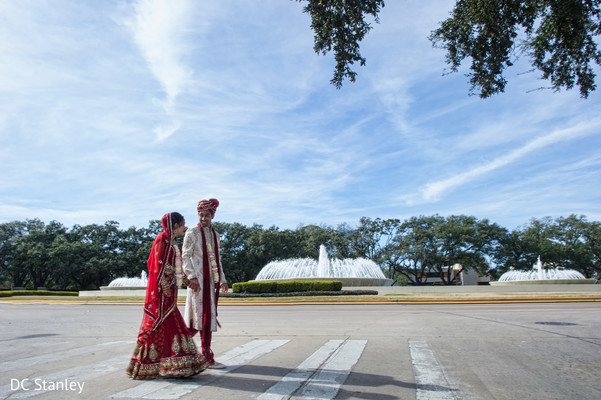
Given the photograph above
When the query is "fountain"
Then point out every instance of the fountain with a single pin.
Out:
(539, 275)
(352, 272)
(125, 283)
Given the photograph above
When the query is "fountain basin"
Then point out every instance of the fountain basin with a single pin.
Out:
(351, 272)
(126, 283)
(544, 282)
(346, 282)
(109, 288)
(541, 276)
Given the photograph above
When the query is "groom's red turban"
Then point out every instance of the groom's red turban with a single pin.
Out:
(208, 205)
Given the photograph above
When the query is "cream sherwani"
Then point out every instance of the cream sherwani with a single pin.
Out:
(192, 254)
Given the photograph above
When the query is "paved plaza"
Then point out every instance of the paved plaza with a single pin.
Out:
(377, 351)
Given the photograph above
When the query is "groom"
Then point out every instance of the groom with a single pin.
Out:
(202, 266)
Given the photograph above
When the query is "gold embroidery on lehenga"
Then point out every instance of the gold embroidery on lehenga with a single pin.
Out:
(175, 347)
(138, 351)
(174, 367)
(154, 354)
(191, 345)
(185, 344)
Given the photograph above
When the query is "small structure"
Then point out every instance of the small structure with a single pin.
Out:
(458, 276)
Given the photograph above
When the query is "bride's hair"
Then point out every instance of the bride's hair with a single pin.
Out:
(176, 218)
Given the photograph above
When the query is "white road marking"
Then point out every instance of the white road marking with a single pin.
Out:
(174, 389)
(430, 376)
(79, 374)
(241, 355)
(150, 390)
(58, 355)
(321, 375)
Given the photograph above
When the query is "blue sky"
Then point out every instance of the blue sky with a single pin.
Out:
(125, 110)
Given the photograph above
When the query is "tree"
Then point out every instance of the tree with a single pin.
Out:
(592, 235)
(520, 248)
(75, 262)
(311, 237)
(340, 25)
(344, 237)
(376, 240)
(557, 35)
(570, 242)
(576, 240)
(134, 248)
(33, 252)
(266, 245)
(436, 243)
(233, 250)
(10, 274)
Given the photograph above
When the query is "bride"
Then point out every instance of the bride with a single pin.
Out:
(165, 347)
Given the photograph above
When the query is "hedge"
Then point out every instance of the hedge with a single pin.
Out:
(286, 286)
(302, 294)
(10, 293)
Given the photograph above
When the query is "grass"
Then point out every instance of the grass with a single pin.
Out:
(12, 293)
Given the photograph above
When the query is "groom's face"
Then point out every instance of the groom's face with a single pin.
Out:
(205, 218)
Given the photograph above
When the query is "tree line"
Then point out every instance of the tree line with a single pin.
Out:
(36, 254)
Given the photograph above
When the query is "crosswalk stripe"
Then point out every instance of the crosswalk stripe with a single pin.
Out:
(321, 375)
(79, 374)
(174, 389)
(55, 356)
(430, 376)
(151, 390)
(241, 355)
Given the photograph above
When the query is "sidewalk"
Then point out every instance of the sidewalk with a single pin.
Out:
(386, 295)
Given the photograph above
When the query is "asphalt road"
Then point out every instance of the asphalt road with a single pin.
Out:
(424, 352)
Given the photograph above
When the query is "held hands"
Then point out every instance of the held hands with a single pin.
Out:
(194, 285)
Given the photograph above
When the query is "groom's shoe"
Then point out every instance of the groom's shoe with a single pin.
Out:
(216, 365)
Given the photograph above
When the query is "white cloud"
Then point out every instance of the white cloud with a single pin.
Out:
(434, 190)
(103, 119)
(159, 28)
(165, 131)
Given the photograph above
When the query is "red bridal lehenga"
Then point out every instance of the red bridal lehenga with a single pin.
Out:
(164, 348)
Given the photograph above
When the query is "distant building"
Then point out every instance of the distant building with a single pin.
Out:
(465, 277)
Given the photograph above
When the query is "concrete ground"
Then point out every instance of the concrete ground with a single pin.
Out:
(327, 351)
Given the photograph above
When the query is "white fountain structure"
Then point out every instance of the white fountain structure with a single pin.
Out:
(540, 275)
(352, 272)
(128, 283)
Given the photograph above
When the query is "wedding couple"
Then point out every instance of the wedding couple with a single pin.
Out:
(165, 347)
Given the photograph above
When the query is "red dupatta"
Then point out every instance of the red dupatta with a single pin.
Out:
(157, 305)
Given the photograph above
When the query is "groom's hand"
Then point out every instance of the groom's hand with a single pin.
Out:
(194, 285)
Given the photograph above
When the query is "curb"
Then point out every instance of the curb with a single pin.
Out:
(388, 300)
